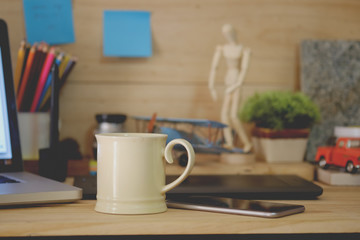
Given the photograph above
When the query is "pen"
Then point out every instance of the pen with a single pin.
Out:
(54, 111)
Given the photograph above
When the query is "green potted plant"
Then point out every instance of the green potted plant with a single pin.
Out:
(282, 122)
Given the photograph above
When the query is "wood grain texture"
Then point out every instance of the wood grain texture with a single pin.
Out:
(185, 33)
(336, 211)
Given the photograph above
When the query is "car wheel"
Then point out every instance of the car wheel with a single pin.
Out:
(350, 167)
(323, 164)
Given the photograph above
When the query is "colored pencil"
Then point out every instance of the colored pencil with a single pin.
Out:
(19, 64)
(26, 74)
(44, 106)
(27, 50)
(43, 77)
(45, 101)
(37, 65)
(25, 104)
(48, 81)
(63, 64)
(68, 69)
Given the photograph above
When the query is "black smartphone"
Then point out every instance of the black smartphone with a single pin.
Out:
(236, 206)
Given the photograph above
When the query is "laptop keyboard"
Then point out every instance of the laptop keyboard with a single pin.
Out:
(4, 179)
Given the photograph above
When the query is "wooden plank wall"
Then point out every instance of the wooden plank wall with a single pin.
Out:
(173, 82)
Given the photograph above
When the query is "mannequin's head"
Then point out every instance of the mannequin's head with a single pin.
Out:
(229, 33)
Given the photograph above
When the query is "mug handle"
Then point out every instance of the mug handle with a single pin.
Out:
(169, 159)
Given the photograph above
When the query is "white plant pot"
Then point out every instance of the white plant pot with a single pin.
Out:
(280, 150)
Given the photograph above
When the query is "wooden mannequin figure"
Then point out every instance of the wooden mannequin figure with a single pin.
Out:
(237, 59)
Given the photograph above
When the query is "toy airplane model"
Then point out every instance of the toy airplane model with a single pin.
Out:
(205, 136)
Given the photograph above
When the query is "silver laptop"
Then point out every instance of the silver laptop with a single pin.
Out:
(17, 186)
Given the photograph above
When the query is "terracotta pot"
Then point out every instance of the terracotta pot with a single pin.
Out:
(288, 145)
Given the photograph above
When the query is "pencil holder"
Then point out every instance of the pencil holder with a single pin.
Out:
(34, 133)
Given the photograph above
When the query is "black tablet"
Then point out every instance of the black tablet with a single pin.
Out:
(246, 187)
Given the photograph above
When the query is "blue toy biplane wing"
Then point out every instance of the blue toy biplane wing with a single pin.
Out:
(195, 122)
(174, 134)
(200, 144)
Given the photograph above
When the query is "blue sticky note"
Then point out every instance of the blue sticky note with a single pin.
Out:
(49, 21)
(127, 34)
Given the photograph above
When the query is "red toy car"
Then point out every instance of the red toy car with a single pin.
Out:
(346, 153)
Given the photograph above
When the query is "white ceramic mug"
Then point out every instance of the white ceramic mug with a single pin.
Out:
(131, 172)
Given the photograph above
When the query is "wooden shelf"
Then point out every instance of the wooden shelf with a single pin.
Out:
(338, 177)
(209, 164)
(205, 164)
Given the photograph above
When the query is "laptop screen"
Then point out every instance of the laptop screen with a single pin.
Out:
(10, 153)
(5, 144)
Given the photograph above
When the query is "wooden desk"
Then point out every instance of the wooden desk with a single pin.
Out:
(335, 215)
